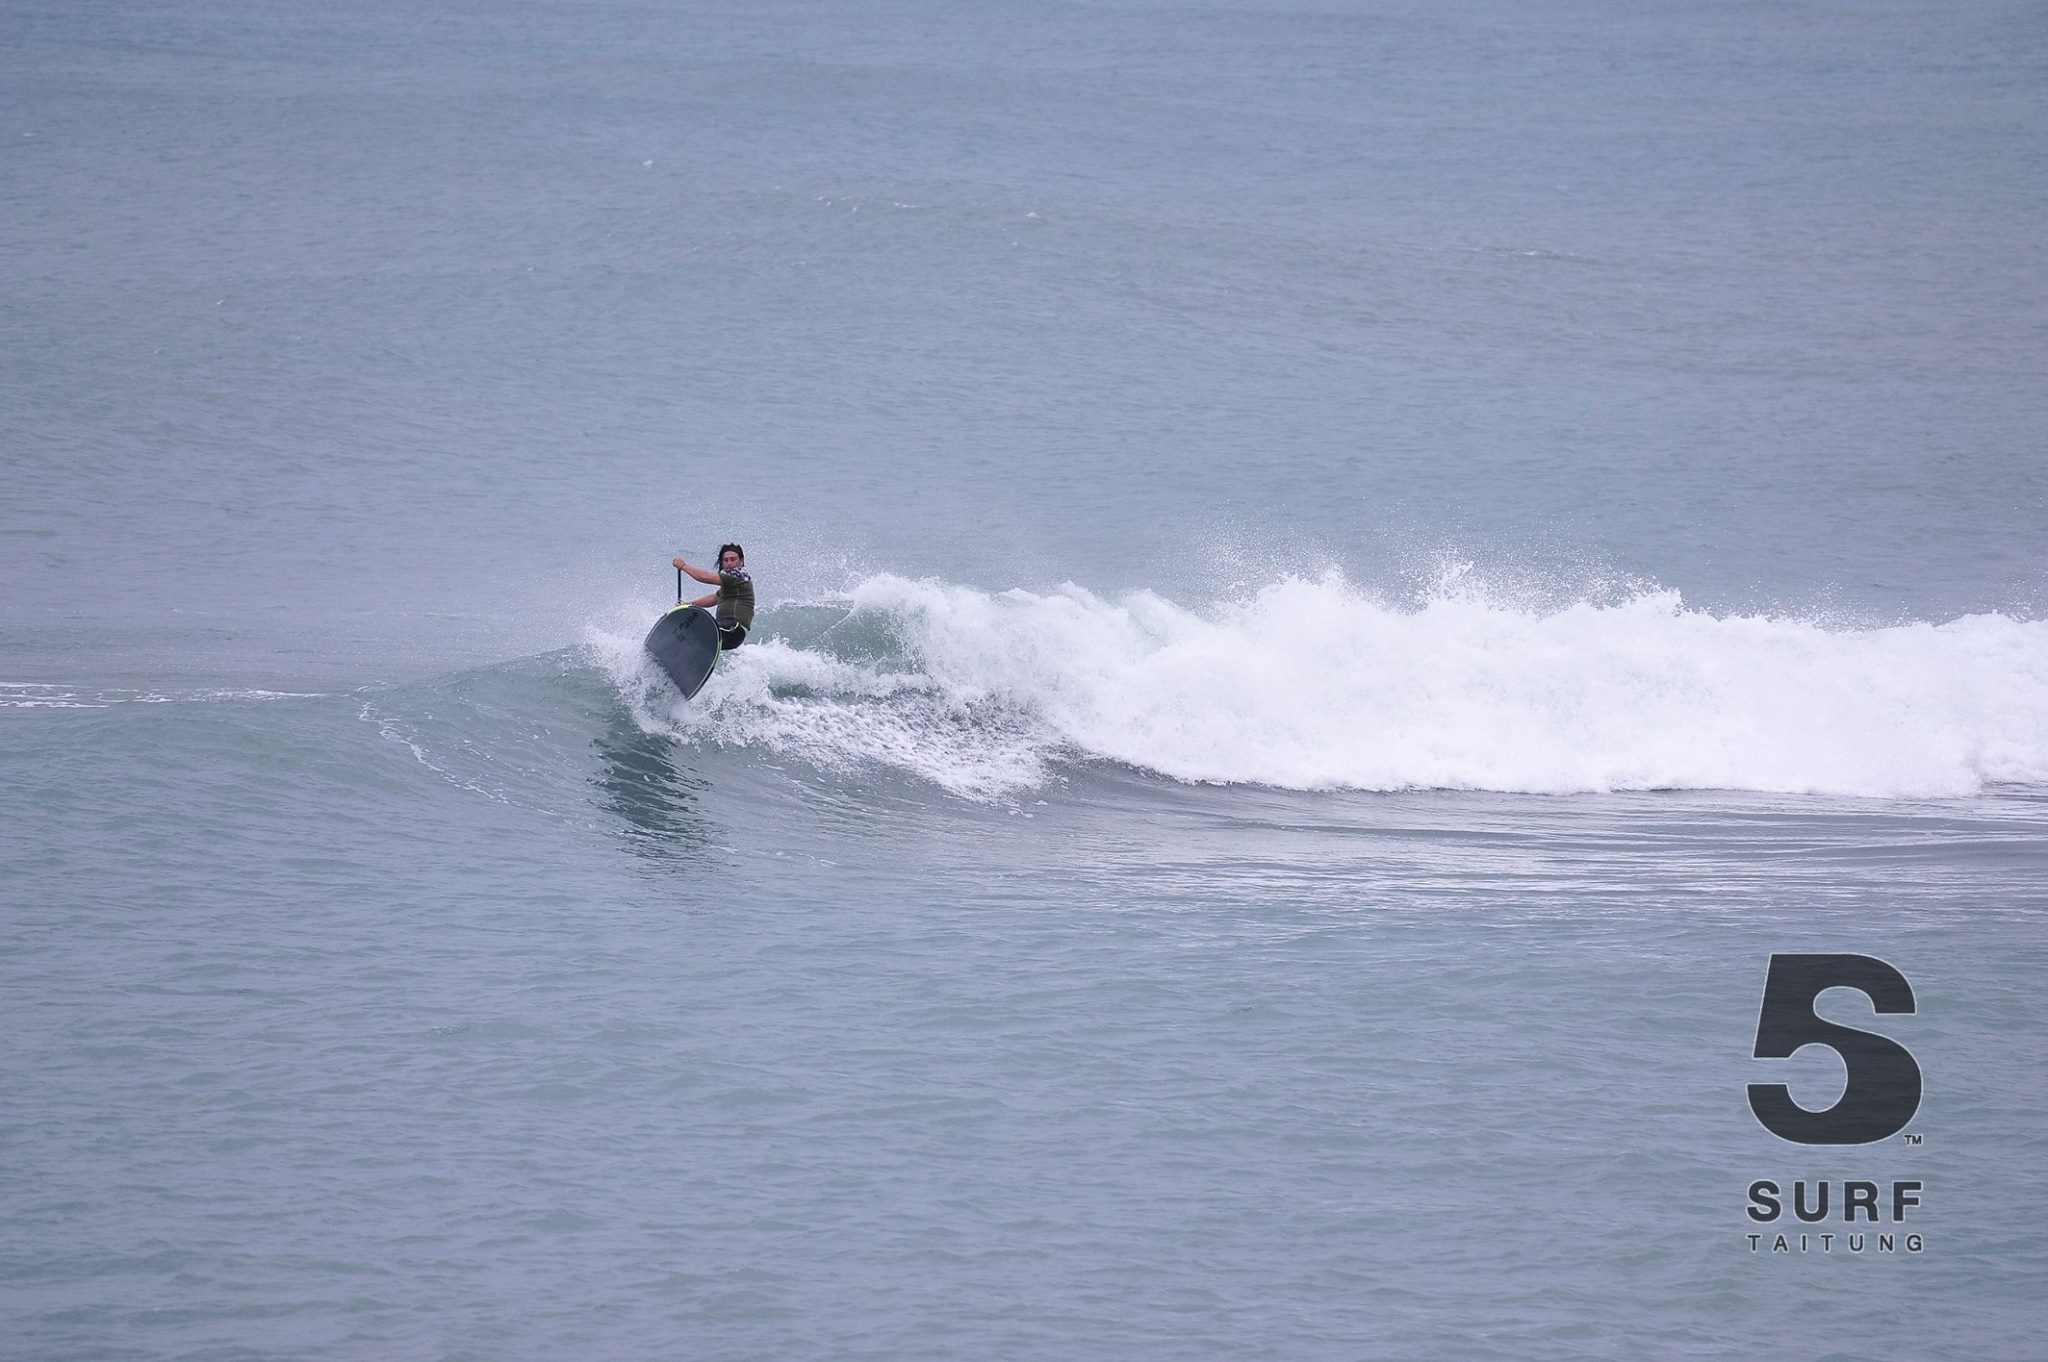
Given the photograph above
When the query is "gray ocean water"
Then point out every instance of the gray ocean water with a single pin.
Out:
(1336, 580)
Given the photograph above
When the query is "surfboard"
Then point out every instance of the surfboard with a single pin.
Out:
(684, 643)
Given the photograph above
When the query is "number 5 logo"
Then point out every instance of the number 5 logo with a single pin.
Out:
(1883, 1090)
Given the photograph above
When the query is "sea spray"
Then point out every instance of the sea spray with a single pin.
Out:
(1313, 683)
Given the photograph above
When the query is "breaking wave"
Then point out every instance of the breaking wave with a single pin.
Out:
(1316, 684)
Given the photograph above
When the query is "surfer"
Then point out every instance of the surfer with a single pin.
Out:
(734, 597)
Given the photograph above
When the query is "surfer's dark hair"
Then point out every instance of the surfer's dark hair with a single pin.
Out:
(723, 549)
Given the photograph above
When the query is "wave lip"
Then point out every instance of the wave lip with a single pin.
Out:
(1313, 684)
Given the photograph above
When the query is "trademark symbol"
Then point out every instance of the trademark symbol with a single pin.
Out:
(1910, 1138)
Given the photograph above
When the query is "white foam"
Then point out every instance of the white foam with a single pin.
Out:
(842, 715)
(1314, 684)
(44, 695)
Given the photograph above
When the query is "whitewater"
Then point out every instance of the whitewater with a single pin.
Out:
(1317, 684)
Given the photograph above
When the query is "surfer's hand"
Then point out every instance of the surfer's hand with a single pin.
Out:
(681, 564)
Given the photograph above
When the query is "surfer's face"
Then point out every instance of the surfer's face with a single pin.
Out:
(729, 559)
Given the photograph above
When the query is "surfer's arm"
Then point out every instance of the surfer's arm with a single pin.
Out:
(706, 601)
(704, 575)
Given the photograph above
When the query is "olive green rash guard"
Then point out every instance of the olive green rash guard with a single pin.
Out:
(735, 598)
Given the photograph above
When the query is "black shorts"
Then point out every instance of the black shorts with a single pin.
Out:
(731, 636)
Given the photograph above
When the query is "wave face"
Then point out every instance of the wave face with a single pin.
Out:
(1316, 684)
